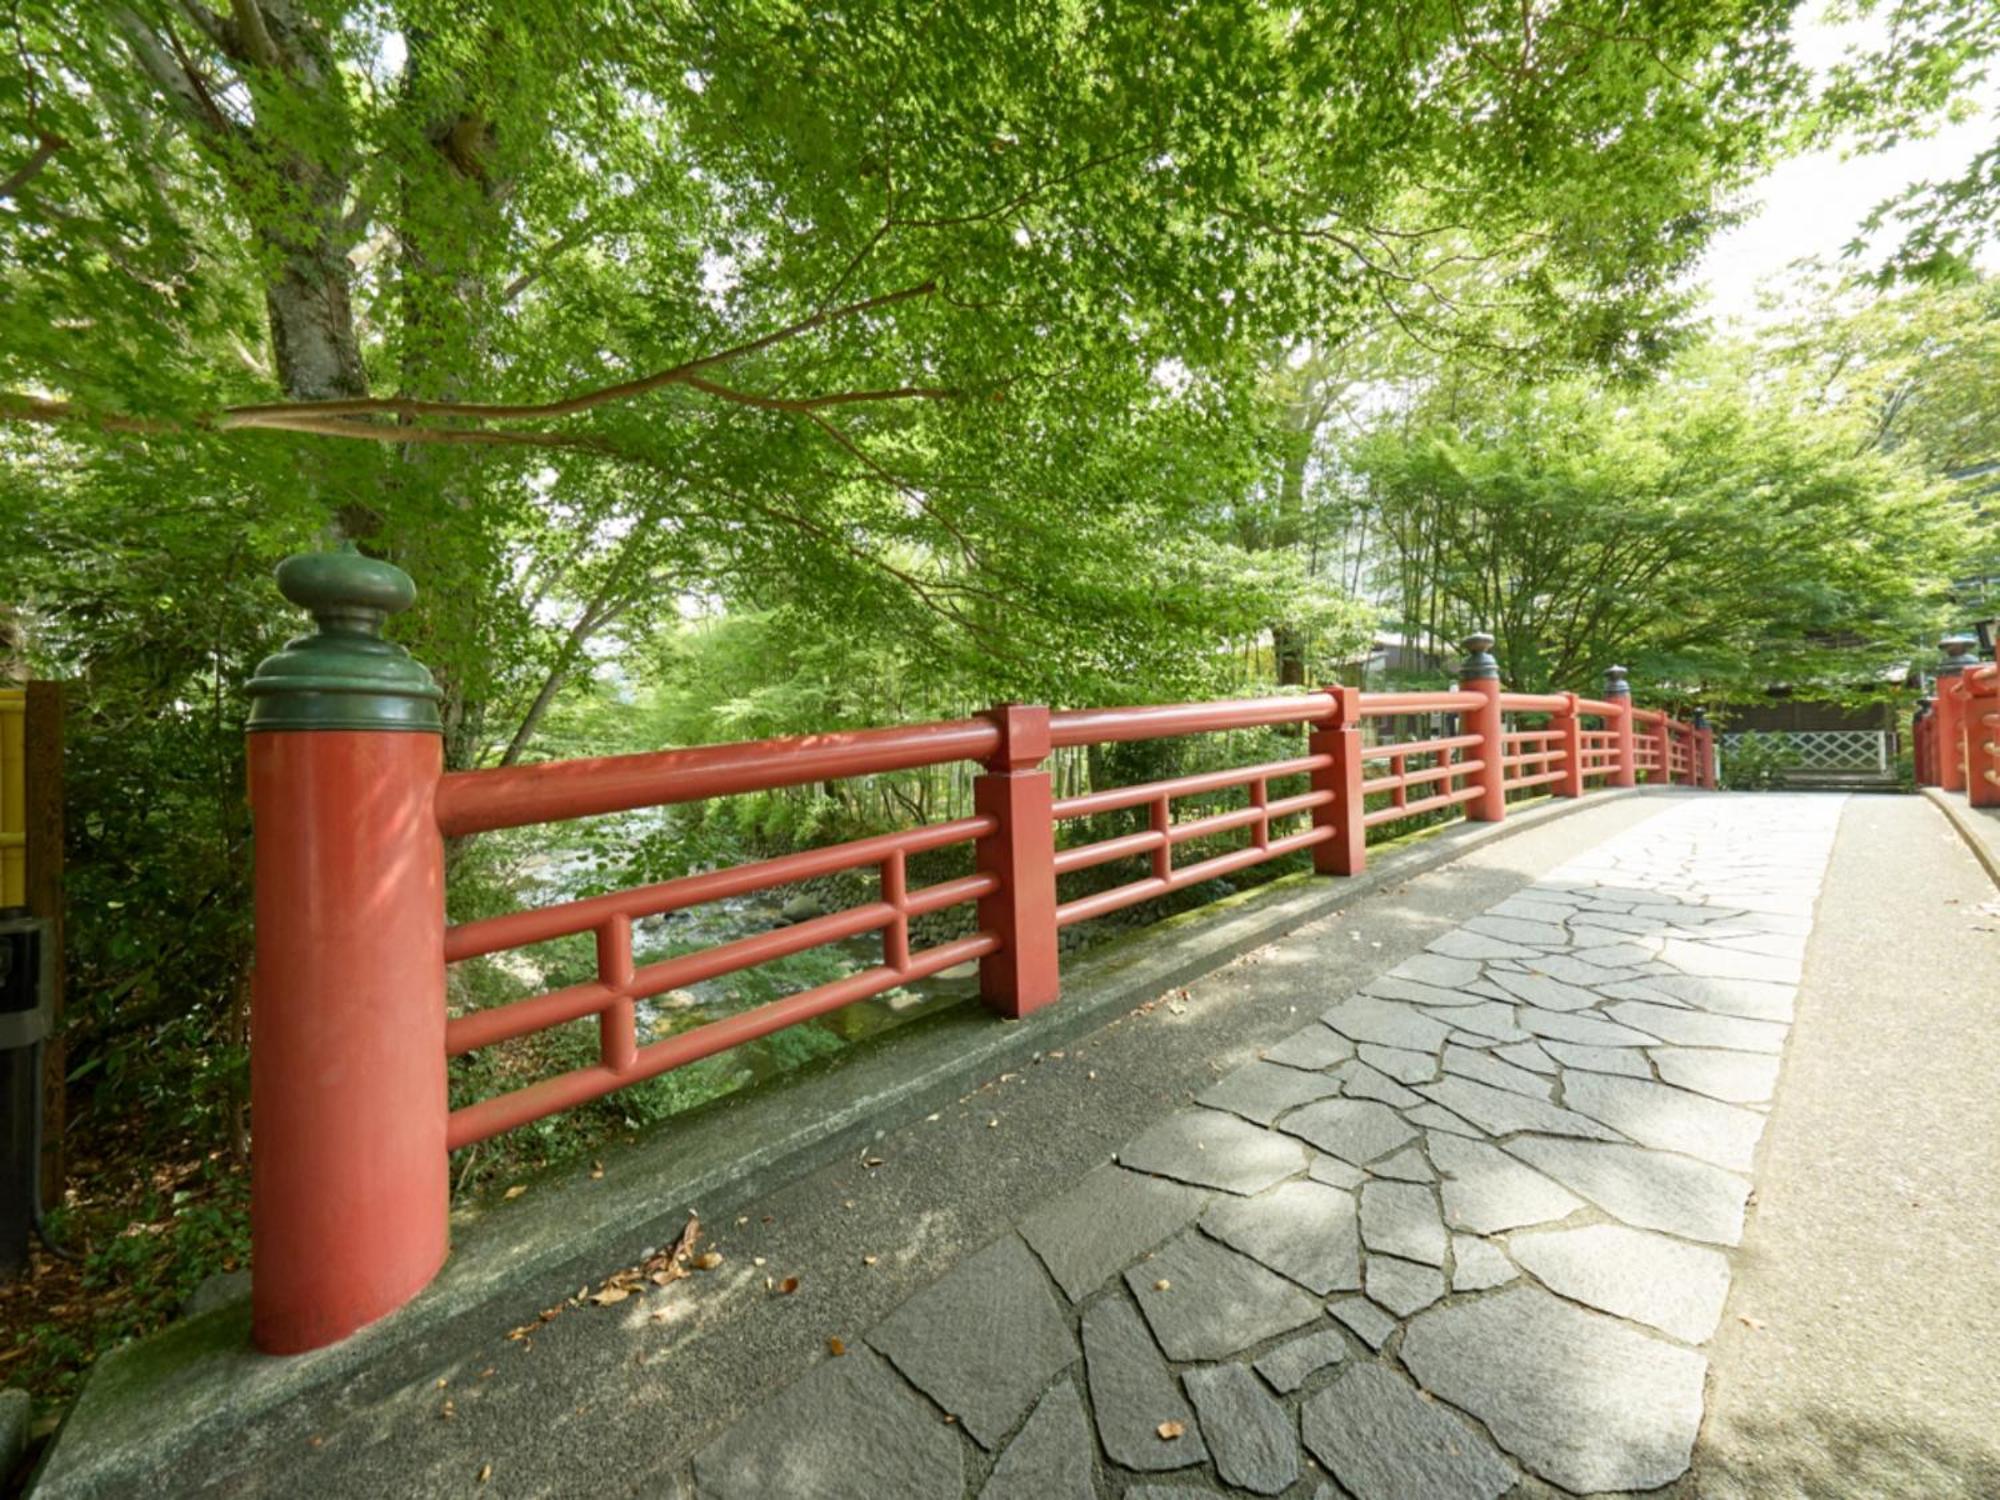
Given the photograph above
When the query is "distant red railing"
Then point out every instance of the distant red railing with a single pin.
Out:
(1955, 736)
(351, 827)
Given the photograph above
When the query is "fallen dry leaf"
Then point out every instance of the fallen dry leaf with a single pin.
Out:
(485, 1472)
(789, 1285)
(835, 1347)
(1170, 1430)
(667, 1266)
(1748, 1321)
(867, 1260)
(708, 1260)
(1162, 1284)
(515, 1191)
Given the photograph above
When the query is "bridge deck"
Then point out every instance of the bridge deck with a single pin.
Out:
(1649, 1148)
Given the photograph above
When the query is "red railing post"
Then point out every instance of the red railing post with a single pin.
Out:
(1703, 751)
(1570, 724)
(348, 1180)
(1922, 741)
(1982, 736)
(1480, 673)
(1022, 975)
(1339, 736)
(1951, 711)
(1663, 751)
(1618, 691)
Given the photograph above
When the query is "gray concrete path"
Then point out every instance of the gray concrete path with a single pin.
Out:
(1444, 1196)
(1860, 1355)
(1468, 1232)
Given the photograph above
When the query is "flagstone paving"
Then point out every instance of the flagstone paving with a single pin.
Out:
(1468, 1229)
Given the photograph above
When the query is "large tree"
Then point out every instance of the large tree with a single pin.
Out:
(852, 300)
(1927, 64)
(1717, 531)
(937, 325)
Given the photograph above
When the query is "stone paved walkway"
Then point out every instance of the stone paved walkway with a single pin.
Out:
(1468, 1231)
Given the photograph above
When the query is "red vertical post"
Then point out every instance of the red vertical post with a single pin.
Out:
(1982, 739)
(1950, 734)
(1339, 736)
(1023, 975)
(1663, 751)
(1703, 751)
(1569, 723)
(1921, 741)
(896, 892)
(1480, 673)
(349, 1188)
(1618, 691)
(1950, 711)
(618, 1023)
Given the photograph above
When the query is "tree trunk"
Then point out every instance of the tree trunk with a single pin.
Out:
(313, 339)
(1288, 644)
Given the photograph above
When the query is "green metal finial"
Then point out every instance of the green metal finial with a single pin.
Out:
(1479, 662)
(1957, 651)
(345, 676)
(1615, 683)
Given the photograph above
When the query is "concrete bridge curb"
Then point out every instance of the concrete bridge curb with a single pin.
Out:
(1979, 827)
(151, 1410)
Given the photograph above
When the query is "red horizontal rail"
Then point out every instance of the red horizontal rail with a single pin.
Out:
(1423, 805)
(1103, 726)
(524, 928)
(489, 1117)
(1421, 747)
(1534, 703)
(1515, 784)
(1117, 798)
(555, 791)
(1444, 771)
(1146, 840)
(1383, 705)
(1100, 903)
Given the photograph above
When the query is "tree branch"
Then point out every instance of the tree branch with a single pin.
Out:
(209, 24)
(595, 615)
(806, 405)
(21, 176)
(258, 48)
(168, 73)
(279, 413)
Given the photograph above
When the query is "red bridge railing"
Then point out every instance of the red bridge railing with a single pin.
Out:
(1955, 737)
(352, 811)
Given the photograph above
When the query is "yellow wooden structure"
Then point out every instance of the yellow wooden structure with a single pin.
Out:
(13, 797)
